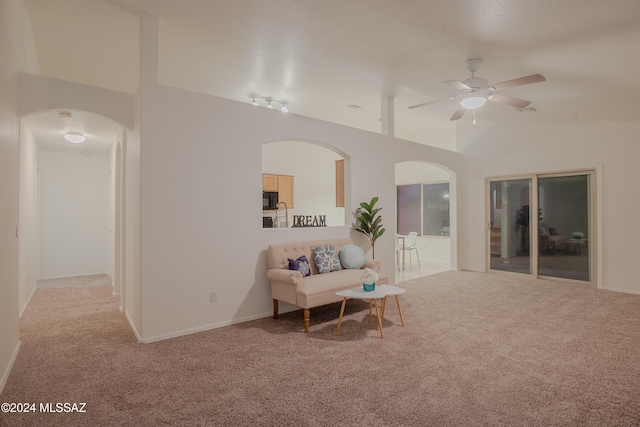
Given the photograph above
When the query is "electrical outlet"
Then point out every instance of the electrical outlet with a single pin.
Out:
(213, 297)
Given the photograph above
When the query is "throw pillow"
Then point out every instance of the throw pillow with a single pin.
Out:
(322, 260)
(301, 264)
(335, 260)
(326, 259)
(352, 256)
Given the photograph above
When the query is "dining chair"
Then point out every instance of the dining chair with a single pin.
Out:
(410, 246)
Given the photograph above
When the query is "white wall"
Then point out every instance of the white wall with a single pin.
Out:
(29, 241)
(313, 169)
(201, 160)
(611, 149)
(18, 53)
(74, 203)
(36, 93)
(419, 173)
(131, 225)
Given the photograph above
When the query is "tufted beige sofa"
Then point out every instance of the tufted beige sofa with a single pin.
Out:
(315, 290)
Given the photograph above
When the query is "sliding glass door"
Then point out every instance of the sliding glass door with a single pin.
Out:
(509, 225)
(565, 222)
(554, 239)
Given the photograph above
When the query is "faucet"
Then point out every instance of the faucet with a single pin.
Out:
(286, 214)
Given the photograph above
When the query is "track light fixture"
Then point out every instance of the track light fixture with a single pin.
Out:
(269, 102)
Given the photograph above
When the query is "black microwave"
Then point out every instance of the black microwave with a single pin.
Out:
(269, 200)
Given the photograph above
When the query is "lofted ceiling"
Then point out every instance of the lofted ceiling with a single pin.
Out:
(336, 59)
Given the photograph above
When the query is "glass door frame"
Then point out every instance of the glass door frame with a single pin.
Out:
(592, 253)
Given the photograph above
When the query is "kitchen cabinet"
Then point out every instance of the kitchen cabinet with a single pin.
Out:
(285, 190)
(340, 183)
(283, 184)
(269, 182)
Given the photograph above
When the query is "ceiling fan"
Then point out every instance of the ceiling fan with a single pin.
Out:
(477, 90)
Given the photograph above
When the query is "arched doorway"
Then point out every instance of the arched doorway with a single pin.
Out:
(319, 188)
(425, 220)
(71, 199)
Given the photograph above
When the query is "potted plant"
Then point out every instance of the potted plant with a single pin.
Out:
(369, 222)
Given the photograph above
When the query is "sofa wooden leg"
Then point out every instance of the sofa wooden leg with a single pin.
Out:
(275, 308)
(306, 320)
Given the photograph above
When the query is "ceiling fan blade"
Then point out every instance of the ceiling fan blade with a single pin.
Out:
(509, 100)
(425, 103)
(435, 101)
(533, 78)
(459, 113)
(456, 84)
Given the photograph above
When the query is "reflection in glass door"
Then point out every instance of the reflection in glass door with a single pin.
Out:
(563, 232)
(554, 239)
(509, 223)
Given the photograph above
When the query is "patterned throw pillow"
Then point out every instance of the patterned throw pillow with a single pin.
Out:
(352, 256)
(326, 259)
(322, 260)
(335, 259)
(301, 264)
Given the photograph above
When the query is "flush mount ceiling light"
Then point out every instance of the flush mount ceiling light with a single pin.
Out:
(269, 102)
(473, 102)
(74, 137)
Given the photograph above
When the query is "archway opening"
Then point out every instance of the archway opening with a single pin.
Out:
(70, 200)
(308, 181)
(425, 219)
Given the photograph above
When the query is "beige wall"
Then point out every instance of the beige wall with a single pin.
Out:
(611, 149)
(29, 237)
(18, 54)
(200, 162)
(74, 212)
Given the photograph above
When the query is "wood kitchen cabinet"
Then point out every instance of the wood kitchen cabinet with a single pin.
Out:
(340, 183)
(285, 190)
(269, 182)
(283, 184)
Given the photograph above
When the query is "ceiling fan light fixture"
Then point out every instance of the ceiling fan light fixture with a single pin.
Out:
(74, 137)
(473, 102)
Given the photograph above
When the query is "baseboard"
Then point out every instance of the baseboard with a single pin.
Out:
(68, 276)
(12, 361)
(214, 326)
(625, 291)
(133, 326)
(26, 304)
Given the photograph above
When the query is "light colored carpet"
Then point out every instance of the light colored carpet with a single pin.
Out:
(477, 350)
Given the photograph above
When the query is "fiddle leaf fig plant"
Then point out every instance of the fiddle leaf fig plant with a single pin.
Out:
(369, 222)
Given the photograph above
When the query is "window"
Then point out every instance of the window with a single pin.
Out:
(435, 209)
(423, 208)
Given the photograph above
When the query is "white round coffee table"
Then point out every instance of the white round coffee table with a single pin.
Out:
(360, 293)
(390, 290)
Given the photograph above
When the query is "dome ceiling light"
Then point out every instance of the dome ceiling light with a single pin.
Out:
(74, 137)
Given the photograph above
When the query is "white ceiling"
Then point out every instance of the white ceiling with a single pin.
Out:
(48, 129)
(322, 56)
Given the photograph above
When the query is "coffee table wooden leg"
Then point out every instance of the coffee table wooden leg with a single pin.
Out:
(344, 302)
(384, 305)
(375, 303)
(399, 310)
(370, 303)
